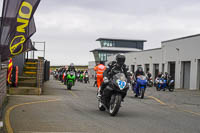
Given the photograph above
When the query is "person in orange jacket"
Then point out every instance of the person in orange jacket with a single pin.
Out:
(100, 68)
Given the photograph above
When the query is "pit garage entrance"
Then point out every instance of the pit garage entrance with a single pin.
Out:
(155, 70)
(172, 69)
(198, 75)
(185, 69)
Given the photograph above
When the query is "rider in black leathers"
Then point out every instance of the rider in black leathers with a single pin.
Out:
(113, 68)
(139, 72)
(71, 68)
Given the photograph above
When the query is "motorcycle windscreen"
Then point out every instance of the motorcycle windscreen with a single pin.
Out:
(120, 80)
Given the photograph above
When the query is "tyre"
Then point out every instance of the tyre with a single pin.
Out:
(171, 88)
(69, 86)
(150, 84)
(157, 88)
(142, 93)
(100, 106)
(115, 104)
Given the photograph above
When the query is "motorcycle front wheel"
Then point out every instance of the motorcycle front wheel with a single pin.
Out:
(115, 104)
(142, 93)
(69, 86)
(100, 106)
(157, 88)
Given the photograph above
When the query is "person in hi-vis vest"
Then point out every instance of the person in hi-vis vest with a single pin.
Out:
(100, 68)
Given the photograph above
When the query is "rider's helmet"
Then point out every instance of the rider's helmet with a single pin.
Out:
(120, 58)
(101, 62)
(72, 64)
(140, 69)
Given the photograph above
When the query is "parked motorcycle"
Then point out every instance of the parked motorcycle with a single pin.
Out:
(170, 84)
(141, 83)
(70, 80)
(161, 84)
(150, 82)
(113, 94)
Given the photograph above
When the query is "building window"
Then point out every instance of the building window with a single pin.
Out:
(107, 43)
(103, 56)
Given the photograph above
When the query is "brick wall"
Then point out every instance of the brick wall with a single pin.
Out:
(40, 72)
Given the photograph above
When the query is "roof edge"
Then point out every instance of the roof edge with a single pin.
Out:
(115, 39)
(181, 38)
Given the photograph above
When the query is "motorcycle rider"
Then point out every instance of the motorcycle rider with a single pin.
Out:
(138, 72)
(160, 75)
(71, 68)
(112, 68)
(149, 75)
(166, 76)
(86, 73)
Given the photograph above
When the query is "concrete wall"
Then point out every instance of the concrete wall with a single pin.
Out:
(178, 51)
(186, 49)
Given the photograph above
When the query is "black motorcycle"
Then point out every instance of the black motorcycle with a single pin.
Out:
(113, 94)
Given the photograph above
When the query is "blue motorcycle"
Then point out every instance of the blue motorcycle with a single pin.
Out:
(140, 87)
(161, 84)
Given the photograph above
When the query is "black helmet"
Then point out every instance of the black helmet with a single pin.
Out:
(102, 62)
(120, 58)
(72, 64)
(140, 69)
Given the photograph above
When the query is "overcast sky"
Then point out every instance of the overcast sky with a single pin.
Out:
(70, 27)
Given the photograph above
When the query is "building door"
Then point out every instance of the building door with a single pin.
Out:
(133, 68)
(172, 69)
(186, 74)
(163, 68)
(146, 68)
(155, 70)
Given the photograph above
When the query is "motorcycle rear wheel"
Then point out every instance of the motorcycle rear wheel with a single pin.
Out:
(171, 88)
(115, 104)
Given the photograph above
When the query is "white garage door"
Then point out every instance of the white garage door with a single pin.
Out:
(186, 75)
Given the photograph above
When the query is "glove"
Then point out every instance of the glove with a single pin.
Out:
(105, 80)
